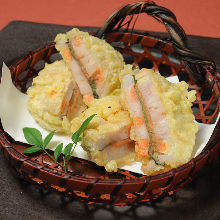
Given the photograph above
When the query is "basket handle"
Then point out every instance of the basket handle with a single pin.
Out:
(195, 64)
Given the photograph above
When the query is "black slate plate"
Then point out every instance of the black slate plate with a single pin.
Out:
(19, 200)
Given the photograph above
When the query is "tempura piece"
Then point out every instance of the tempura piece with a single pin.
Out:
(53, 96)
(94, 63)
(107, 137)
(163, 112)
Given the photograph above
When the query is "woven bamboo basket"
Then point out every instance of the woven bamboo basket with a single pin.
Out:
(90, 183)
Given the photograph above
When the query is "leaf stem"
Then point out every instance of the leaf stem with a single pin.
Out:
(68, 159)
(64, 164)
(52, 158)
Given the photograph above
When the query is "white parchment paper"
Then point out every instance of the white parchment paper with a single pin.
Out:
(15, 116)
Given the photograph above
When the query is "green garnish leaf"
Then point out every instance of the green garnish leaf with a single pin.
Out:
(76, 135)
(33, 136)
(32, 149)
(58, 151)
(67, 150)
(48, 138)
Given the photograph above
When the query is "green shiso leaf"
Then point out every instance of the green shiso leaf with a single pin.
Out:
(32, 149)
(67, 150)
(76, 136)
(33, 136)
(58, 151)
(48, 138)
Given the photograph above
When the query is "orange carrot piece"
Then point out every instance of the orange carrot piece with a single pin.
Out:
(161, 147)
(133, 93)
(98, 76)
(89, 97)
(143, 146)
(138, 121)
(53, 92)
(77, 40)
(67, 55)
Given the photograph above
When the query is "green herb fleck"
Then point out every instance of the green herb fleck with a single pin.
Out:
(93, 86)
(135, 81)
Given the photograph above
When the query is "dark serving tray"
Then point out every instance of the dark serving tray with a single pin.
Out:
(20, 200)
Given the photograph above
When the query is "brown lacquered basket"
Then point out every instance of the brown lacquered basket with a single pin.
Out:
(85, 180)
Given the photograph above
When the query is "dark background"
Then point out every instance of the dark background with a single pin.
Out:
(19, 200)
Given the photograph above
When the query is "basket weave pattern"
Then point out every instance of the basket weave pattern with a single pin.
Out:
(90, 183)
